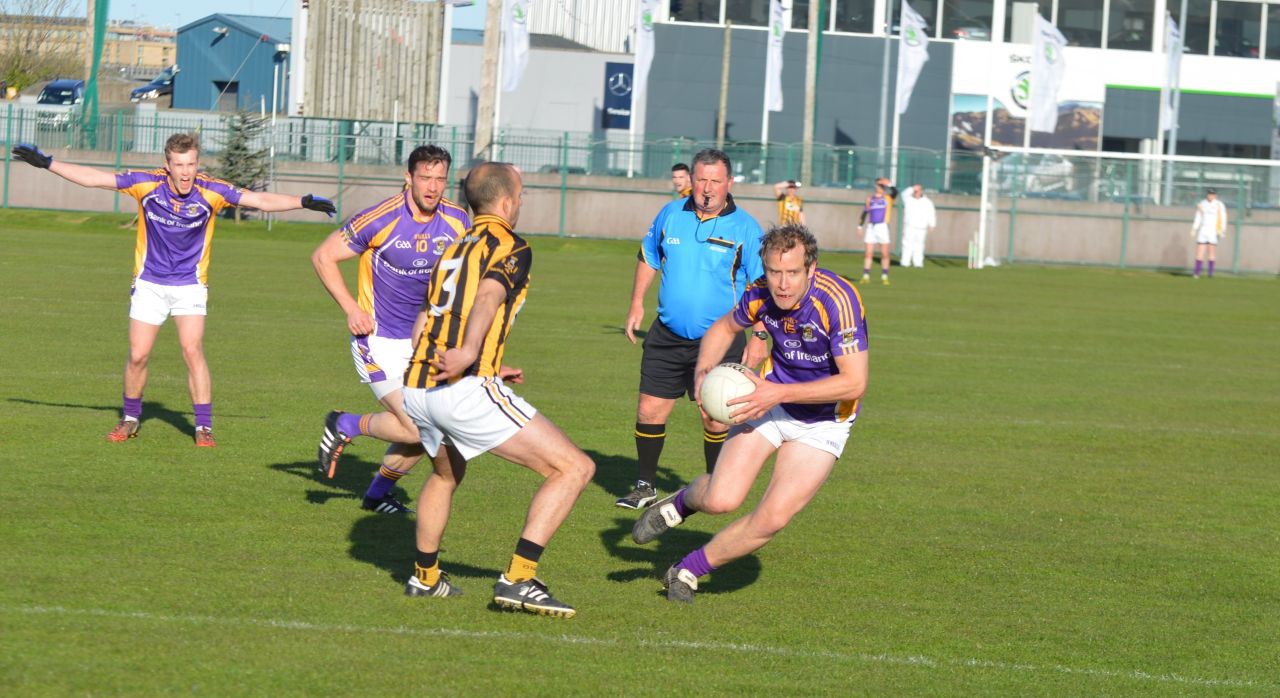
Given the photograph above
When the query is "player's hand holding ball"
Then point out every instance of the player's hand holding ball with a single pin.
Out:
(723, 384)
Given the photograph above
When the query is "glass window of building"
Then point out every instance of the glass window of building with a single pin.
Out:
(800, 14)
(1195, 31)
(1273, 32)
(855, 16)
(927, 9)
(695, 11)
(747, 13)
(1131, 24)
(1239, 29)
(969, 20)
(1080, 21)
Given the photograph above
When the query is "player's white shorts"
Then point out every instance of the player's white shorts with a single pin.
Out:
(876, 234)
(1207, 236)
(476, 414)
(777, 427)
(153, 304)
(381, 362)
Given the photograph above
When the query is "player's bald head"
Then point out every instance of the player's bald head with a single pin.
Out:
(488, 183)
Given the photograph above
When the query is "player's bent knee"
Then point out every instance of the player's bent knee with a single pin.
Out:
(720, 502)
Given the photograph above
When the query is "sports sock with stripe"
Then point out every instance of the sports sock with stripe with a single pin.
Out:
(383, 482)
(524, 563)
(354, 425)
(650, 439)
(712, 442)
(427, 567)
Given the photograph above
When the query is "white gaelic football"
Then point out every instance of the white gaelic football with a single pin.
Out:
(722, 384)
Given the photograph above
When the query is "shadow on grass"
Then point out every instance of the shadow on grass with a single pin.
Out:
(386, 542)
(652, 561)
(617, 474)
(619, 329)
(182, 421)
(382, 540)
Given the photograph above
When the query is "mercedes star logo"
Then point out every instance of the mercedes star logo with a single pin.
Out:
(619, 84)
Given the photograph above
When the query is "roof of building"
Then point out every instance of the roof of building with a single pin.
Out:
(476, 37)
(278, 29)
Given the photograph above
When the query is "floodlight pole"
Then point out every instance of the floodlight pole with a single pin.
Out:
(488, 81)
(724, 85)
(811, 89)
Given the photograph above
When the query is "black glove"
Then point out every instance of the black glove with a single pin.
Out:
(32, 156)
(318, 203)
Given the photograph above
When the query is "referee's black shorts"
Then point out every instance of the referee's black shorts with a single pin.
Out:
(666, 367)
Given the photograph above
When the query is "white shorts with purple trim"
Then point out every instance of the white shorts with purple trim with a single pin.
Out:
(381, 362)
(777, 427)
(475, 414)
(153, 303)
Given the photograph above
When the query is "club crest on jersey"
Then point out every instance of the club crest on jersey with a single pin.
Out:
(509, 265)
(440, 245)
(789, 325)
(806, 333)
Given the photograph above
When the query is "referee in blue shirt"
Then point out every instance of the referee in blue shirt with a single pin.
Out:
(707, 251)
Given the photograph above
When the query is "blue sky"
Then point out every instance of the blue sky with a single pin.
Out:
(176, 14)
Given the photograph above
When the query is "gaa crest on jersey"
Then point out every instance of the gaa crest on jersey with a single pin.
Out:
(849, 338)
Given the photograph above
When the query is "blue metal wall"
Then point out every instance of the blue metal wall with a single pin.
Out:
(206, 58)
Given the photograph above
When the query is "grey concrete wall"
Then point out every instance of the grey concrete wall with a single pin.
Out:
(608, 207)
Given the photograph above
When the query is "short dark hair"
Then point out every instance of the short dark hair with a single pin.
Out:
(782, 238)
(430, 154)
(181, 143)
(680, 166)
(711, 156)
(488, 182)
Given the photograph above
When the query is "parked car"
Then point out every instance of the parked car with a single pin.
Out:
(971, 33)
(159, 86)
(56, 101)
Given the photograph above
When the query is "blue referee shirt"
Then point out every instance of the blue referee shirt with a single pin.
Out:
(706, 265)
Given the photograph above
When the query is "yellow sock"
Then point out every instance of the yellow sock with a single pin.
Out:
(521, 569)
(427, 575)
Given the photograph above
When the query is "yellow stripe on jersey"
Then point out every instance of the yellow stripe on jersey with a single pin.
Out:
(138, 191)
(842, 300)
(206, 255)
(364, 267)
(363, 219)
(489, 250)
(216, 200)
(845, 409)
(753, 308)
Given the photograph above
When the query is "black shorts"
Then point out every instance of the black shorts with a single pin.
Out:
(666, 367)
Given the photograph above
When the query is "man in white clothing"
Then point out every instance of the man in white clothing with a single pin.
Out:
(918, 220)
(1210, 224)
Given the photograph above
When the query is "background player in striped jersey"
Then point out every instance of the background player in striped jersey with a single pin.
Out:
(802, 408)
(1210, 224)
(177, 208)
(790, 205)
(398, 242)
(455, 389)
(681, 184)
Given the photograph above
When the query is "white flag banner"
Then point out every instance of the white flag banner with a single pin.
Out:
(1173, 45)
(515, 42)
(1047, 67)
(913, 53)
(646, 13)
(773, 58)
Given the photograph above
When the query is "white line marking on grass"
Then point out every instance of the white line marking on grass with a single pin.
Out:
(908, 660)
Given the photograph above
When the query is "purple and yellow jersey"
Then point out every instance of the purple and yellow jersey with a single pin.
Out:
(789, 208)
(877, 208)
(175, 232)
(829, 321)
(398, 250)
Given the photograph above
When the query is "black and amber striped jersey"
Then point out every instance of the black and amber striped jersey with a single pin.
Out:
(489, 250)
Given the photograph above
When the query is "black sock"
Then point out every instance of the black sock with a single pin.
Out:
(711, 443)
(650, 439)
(529, 550)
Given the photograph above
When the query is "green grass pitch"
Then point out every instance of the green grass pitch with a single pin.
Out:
(1063, 482)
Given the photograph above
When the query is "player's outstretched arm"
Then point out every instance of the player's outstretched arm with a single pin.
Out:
(76, 174)
(275, 203)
